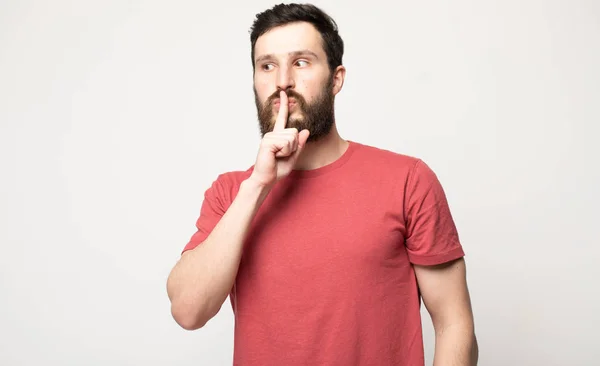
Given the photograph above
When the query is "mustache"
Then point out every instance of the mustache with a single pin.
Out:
(290, 94)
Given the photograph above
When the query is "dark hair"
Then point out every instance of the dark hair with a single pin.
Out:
(282, 14)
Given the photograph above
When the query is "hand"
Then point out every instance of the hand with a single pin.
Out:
(279, 149)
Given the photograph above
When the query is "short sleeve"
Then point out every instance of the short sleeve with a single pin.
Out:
(211, 211)
(431, 234)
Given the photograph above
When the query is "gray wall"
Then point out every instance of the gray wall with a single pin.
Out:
(116, 116)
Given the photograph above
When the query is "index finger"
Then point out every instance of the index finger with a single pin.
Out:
(282, 116)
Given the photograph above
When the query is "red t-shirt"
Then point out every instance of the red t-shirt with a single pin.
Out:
(326, 275)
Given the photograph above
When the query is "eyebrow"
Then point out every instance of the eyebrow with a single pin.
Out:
(291, 54)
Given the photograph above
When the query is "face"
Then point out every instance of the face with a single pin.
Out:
(292, 58)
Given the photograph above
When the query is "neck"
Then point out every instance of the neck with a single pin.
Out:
(325, 151)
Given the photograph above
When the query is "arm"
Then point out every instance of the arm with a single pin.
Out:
(202, 279)
(446, 296)
(200, 282)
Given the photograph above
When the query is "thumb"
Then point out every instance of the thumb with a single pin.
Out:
(302, 138)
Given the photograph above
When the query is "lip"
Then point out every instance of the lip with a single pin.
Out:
(291, 102)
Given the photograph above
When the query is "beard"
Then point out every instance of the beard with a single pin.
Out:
(317, 117)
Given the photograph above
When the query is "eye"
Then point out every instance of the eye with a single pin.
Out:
(302, 63)
(267, 67)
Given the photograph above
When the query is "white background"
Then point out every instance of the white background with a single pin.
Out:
(116, 116)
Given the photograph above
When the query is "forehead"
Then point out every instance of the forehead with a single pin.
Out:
(289, 38)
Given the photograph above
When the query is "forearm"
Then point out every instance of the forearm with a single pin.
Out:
(456, 345)
(202, 279)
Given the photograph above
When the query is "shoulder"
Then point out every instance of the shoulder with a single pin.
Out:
(408, 173)
(226, 185)
(234, 177)
(387, 160)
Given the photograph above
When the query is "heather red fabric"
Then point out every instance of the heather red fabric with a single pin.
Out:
(326, 276)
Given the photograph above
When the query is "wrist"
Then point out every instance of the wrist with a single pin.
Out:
(255, 188)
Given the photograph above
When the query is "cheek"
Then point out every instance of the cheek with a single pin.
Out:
(262, 93)
(310, 85)
(263, 86)
(310, 91)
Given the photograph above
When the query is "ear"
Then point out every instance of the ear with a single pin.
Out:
(338, 79)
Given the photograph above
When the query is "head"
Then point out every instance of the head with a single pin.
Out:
(297, 48)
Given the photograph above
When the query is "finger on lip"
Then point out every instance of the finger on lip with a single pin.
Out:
(290, 102)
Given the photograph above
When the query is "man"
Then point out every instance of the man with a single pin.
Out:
(325, 246)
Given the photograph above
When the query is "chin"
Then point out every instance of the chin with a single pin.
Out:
(298, 124)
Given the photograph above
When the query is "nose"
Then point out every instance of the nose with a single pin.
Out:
(285, 79)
